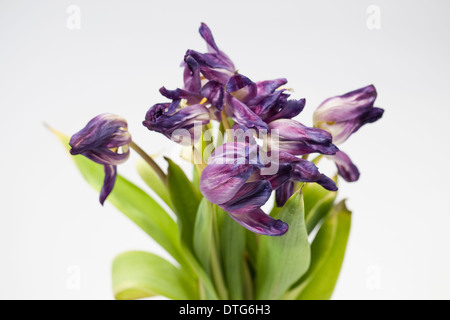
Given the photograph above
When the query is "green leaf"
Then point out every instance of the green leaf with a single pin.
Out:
(185, 200)
(283, 260)
(327, 255)
(318, 202)
(138, 274)
(134, 203)
(150, 177)
(232, 247)
(203, 235)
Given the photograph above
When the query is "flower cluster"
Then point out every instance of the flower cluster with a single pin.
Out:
(234, 177)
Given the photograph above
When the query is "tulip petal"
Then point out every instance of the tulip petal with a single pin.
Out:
(283, 193)
(258, 222)
(219, 183)
(347, 106)
(242, 114)
(345, 166)
(191, 97)
(288, 110)
(159, 119)
(251, 196)
(298, 139)
(192, 78)
(108, 183)
(241, 87)
(214, 92)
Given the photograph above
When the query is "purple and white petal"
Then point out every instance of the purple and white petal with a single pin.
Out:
(242, 114)
(241, 88)
(219, 183)
(158, 119)
(214, 92)
(345, 166)
(258, 222)
(345, 107)
(251, 196)
(298, 139)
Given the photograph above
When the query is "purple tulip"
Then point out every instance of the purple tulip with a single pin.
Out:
(298, 139)
(227, 181)
(214, 65)
(345, 166)
(233, 180)
(177, 125)
(293, 169)
(104, 140)
(344, 115)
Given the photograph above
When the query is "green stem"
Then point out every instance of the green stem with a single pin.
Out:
(216, 269)
(150, 162)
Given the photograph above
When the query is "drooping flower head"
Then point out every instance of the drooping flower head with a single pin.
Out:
(176, 123)
(104, 140)
(344, 115)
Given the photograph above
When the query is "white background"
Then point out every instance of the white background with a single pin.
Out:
(52, 227)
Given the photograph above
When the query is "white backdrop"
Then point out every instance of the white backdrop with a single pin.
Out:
(52, 228)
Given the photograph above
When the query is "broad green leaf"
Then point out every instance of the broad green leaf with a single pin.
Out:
(327, 255)
(138, 274)
(232, 247)
(185, 200)
(153, 181)
(252, 245)
(283, 260)
(318, 202)
(203, 235)
(134, 203)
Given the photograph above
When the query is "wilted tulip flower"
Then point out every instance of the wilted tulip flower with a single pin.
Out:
(176, 124)
(104, 140)
(226, 181)
(233, 179)
(298, 139)
(344, 115)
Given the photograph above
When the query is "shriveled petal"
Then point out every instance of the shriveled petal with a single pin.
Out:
(106, 156)
(345, 107)
(236, 153)
(214, 92)
(158, 119)
(298, 139)
(242, 114)
(241, 87)
(283, 193)
(344, 115)
(191, 97)
(267, 87)
(306, 171)
(192, 79)
(258, 222)
(251, 196)
(269, 105)
(288, 110)
(219, 183)
(345, 166)
(108, 183)
(206, 34)
(103, 131)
